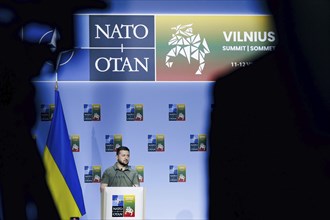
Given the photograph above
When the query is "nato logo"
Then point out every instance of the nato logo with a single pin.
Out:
(152, 143)
(117, 206)
(127, 46)
(47, 112)
(177, 112)
(88, 113)
(173, 173)
(173, 112)
(156, 143)
(109, 139)
(88, 174)
(44, 34)
(117, 200)
(198, 142)
(109, 143)
(92, 112)
(173, 170)
(177, 173)
(113, 142)
(134, 112)
(193, 142)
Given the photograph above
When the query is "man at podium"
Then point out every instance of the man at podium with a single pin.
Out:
(120, 174)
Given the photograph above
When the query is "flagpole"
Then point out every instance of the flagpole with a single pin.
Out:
(62, 176)
(56, 83)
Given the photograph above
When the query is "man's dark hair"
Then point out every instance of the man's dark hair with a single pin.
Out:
(122, 148)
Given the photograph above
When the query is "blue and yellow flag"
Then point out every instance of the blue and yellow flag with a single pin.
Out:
(62, 176)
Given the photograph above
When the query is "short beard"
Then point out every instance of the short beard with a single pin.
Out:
(125, 165)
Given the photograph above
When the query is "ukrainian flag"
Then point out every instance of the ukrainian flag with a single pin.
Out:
(62, 177)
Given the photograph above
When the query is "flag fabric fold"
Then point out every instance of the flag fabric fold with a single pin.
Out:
(62, 176)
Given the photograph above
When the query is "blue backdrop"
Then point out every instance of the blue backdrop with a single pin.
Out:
(164, 199)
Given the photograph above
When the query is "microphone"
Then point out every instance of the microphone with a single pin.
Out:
(123, 170)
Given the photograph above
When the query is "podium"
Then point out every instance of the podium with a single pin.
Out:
(122, 203)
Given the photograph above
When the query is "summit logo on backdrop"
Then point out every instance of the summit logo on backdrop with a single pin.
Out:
(189, 45)
(122, 47)
(123, 206)
(177, 173)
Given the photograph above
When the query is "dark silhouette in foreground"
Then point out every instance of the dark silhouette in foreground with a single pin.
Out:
(270, 125)
(23, 188)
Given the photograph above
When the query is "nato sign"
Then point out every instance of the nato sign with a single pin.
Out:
(122, 48)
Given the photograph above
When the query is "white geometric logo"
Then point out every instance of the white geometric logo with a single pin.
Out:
(187, 44)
